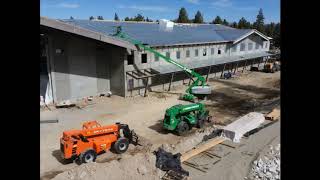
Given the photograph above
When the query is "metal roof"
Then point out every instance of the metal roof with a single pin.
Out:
(153, 35)
(164, 69)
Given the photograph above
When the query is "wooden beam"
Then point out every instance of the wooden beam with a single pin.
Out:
(208, 74)
(201, 148)
(235, 69)
(245, 66)
(172, 74)
(222, 70)
(128, 73)
(146, 87)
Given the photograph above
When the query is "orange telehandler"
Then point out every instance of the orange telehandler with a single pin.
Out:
(94, 139)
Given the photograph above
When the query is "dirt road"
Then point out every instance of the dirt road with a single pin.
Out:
(252, 91)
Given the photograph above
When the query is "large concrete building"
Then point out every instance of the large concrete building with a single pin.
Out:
(80, 58)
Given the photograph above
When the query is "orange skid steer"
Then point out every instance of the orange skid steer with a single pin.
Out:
(94, 139)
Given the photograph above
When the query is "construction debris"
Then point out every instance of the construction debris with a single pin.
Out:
(273, 115)
(238, 128)
(167, 161)
(268, 166)
(201, 148)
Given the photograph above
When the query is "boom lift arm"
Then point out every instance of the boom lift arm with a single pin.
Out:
(198, 88)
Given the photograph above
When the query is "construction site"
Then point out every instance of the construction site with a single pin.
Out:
(160, 100)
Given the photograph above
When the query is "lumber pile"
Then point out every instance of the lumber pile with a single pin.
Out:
(201, 148)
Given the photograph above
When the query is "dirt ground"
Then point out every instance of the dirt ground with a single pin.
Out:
(251, 91)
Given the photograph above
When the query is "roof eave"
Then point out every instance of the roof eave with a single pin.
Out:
(84, 32)
(248, 34)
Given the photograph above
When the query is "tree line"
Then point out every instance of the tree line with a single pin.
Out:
(272, 29)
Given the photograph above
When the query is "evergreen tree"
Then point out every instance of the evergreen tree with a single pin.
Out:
(217, 20)
(243, 24)
(100, 18)
(91, 18)
(116, 18)
(71, 17)
(139, 17)
(276, 35)
(198, 18)
(127, 19)
(183, 16)
(270, 29)
(225, 22)
(234, 25)
(259, 24)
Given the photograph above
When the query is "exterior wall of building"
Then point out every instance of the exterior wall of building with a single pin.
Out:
(83, 67)
(179, 78)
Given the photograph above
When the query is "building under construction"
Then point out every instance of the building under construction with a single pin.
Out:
(80, 58)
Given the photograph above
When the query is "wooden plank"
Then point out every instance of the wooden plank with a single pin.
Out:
(273, 115)
(201, 148)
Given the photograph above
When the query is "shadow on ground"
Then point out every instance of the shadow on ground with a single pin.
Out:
(158, 127)
(57, 155)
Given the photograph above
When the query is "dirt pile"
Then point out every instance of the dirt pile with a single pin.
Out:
(268, 166)
(140, 166)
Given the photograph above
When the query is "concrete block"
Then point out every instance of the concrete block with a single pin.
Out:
(238, 128)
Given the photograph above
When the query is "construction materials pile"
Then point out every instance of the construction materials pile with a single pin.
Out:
(268, 166)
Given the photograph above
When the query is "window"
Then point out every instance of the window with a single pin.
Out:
(242, 47)
(204, 52)
(266, 45)
(156, 58)
(219, 51)
(168, 54)
(249, 46)
(130, 58)
(188, 53)
(234, 49)
(212, 51)
(143, 58)
(178, 54)
(196, 52)
(257, 45)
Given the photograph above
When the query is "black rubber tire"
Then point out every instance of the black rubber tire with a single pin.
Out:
(182, 128)
(88, 156)
(121, 145)
(201, 120)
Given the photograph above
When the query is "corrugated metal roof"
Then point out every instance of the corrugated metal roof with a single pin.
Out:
(164, 69)
(152, 34)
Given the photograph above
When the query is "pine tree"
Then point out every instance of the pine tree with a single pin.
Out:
(183, 16)
(276, 35)
(127, 19)
(71, 17)
(139, 17)
(100, 18)
(259, 24)
(116, 18)
(234, 25)
(198, 18)
(225, 22)
(91, 18)
(243, 24)
(217, 20)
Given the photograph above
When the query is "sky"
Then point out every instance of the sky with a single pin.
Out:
(231, 10)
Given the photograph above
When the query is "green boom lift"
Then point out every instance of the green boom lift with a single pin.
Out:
(198, 88)
(180, 118)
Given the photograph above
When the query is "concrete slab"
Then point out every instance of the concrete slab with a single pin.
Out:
(238, 128)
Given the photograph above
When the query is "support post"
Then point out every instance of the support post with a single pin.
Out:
(235, 69)
(146, 87)
(222, 70)
(245, 66)
(172, 74)
(208, 74)
(259, 61)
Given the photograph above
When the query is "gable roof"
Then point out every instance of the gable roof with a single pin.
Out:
(84, 32)
(153, 35)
